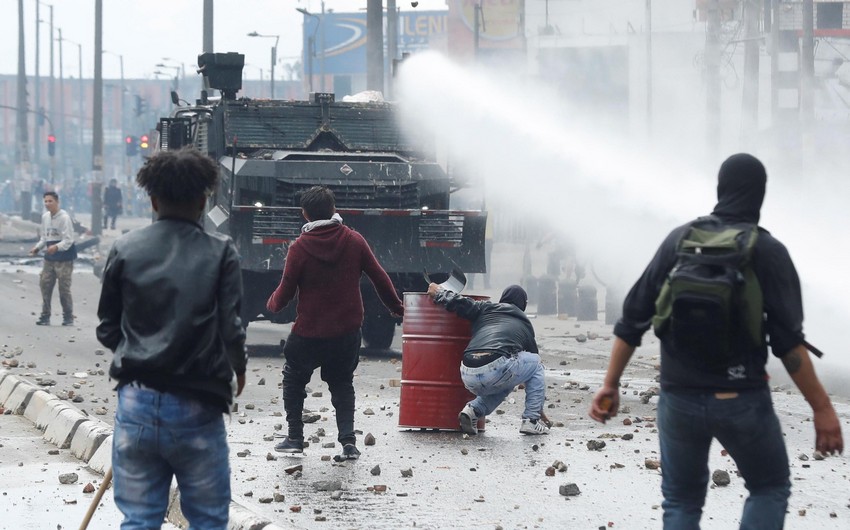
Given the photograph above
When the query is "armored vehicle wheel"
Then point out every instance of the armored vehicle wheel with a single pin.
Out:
(378, 330)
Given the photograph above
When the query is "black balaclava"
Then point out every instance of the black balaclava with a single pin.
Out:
(514, 294)
(741, 184)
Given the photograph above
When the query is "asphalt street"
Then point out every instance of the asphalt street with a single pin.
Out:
(409, 478)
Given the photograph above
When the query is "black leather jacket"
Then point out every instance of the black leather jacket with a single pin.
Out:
(500, 329)
(170, 310)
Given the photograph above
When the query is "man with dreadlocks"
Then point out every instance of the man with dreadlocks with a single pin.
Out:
(169, 310)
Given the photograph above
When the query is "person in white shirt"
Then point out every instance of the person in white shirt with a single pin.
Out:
(57, 240)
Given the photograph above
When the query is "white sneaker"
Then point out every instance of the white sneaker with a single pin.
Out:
(468, 420)
(533, 427)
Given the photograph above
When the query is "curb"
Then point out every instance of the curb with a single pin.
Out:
(90, 440)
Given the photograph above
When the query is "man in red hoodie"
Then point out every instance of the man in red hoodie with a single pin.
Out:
(323, 266)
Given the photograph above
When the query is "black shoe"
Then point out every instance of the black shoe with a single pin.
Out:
(68, 321)
(43, 321)
(289, 445)
(349, 452)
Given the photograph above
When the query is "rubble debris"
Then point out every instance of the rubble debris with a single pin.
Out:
(720, 477)
(569, 490)
(369, 439)
(375, 471)
(327, 485)
(595, 445)
(68, 478)
(310, 417)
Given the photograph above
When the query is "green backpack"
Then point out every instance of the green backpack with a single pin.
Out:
(710, 306)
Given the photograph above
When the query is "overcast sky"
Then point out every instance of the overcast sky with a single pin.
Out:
(146, 31)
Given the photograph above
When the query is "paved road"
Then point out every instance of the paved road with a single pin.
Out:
(496, 479)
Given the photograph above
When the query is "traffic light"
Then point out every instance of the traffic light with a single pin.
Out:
(132, 145)
(51, 144)
(141, 105)
(144, 144)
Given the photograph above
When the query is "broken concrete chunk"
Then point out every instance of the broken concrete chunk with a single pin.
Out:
(310, 417)
(595, 445)
(569, 490)
(720, 477)
(68, 478)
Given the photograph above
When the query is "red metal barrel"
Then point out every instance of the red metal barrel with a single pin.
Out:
(433, 341)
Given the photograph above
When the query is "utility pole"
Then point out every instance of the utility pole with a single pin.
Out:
(807, 81)
(38, 135)
(62, 138)
(322, 44)
(208, 26)
(750, 103)
(392, 43)
(52, 97)
(649, 67)
(712, 77)
(476, 30)
(22, 145)
(374, 45)
(97, 124)
(807, 64)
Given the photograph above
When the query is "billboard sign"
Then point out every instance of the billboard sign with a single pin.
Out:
(344, 38)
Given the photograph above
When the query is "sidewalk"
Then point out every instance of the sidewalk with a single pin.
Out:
(55, 445)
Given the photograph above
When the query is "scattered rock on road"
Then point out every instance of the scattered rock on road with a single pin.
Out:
(720, 477)
(569, 490)
(68, 478)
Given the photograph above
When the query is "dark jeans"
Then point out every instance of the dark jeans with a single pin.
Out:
(338, 358)
(748, 429)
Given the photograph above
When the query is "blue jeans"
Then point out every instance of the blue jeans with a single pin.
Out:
(493, 382)
(748, 429)
(157, 436)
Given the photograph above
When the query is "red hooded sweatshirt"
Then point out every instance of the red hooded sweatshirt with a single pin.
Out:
(324, 267)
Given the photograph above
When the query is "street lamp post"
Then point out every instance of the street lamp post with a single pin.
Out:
(262, 77)
(176, 73)
(311, 46)
(274, 54)
(123, 93)
(62, 137)
(80, 96)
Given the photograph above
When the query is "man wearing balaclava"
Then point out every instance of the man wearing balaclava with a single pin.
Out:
(501, 354)
(696, 404)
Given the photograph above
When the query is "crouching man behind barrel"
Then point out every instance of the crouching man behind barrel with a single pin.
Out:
(501, 354)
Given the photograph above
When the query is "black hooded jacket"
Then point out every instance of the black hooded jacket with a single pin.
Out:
(740, 193)
(501, 329)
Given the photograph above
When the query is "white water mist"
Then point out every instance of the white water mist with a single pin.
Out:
(618, 197)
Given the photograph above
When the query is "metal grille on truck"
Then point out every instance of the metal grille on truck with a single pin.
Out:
(276, 225)
(362, 195)
(441, 229)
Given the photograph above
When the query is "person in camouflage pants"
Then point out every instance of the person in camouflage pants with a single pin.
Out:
(57, 241)
(51, 273)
